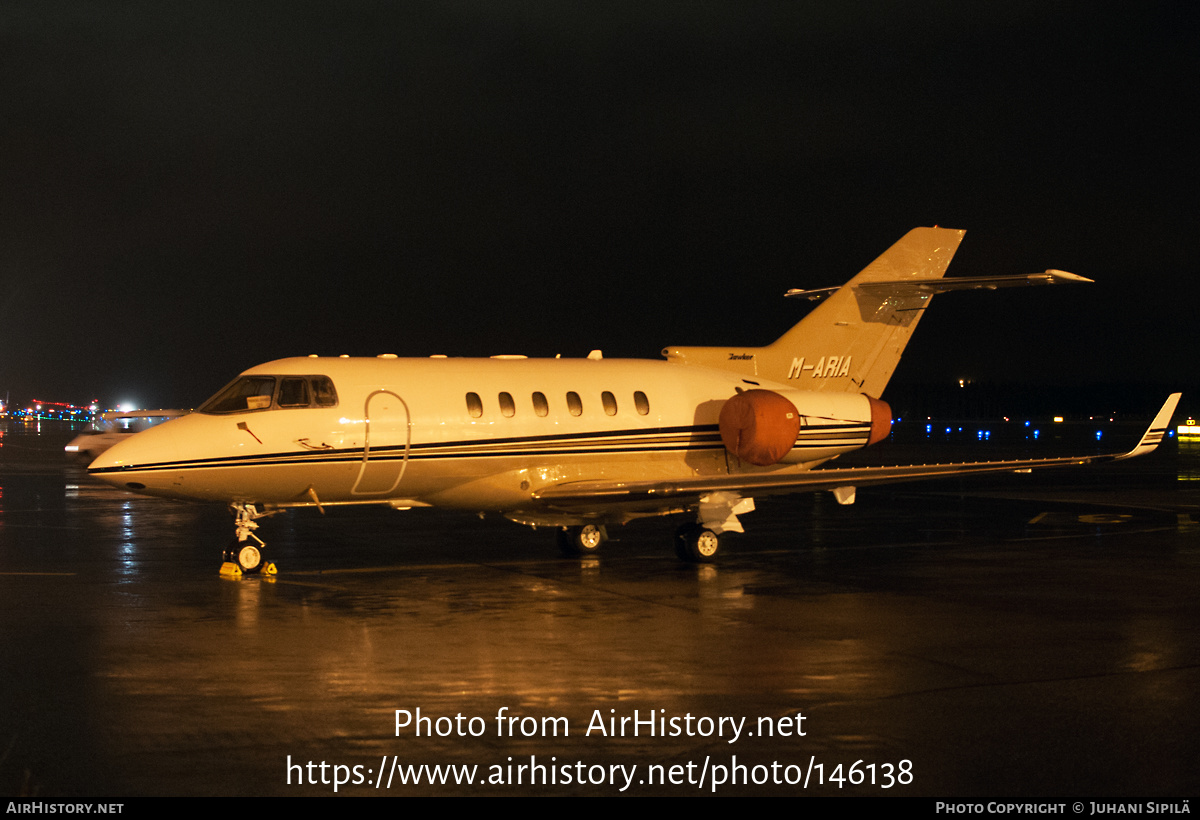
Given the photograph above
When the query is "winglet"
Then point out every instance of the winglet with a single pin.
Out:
(1154, 435)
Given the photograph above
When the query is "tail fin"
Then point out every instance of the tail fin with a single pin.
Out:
(853, 341)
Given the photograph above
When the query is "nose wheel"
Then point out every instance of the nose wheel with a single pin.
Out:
(244, 556)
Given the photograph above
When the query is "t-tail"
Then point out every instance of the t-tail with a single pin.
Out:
(853, 340)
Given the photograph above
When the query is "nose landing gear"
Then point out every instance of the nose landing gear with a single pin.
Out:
(244, 556)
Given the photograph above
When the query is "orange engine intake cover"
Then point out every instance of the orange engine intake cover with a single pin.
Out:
(759, 426)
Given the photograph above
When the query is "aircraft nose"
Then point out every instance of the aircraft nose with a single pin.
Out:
(131, 452)
(131, 464)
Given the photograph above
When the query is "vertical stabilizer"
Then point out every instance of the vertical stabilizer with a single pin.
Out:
(853, 340)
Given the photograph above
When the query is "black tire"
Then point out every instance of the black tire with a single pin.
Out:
(246, 555)
(697, 544)
(585, 540)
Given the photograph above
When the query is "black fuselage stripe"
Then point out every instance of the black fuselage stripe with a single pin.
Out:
(625, 441)
(386, 456)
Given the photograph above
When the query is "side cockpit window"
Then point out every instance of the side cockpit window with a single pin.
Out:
(293, 392)
(250, 393)
(246, 393)
(324, 394)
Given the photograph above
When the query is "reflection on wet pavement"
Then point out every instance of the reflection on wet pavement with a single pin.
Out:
(1022, 635)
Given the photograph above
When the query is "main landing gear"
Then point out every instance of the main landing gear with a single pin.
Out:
(584, 540)
(244, 556)
(697, 543)
(716, 515)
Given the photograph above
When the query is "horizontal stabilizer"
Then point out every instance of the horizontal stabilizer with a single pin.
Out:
(930, 286)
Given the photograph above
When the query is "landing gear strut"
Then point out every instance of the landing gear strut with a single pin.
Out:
(244, 555)
(584, 540)
(716, 515)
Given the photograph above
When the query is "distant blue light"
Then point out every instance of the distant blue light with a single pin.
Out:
(1098, 434)
(1026, 424)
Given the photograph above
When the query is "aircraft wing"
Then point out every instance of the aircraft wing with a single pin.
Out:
(829, 479)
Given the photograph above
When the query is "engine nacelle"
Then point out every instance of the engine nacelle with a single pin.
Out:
(765, 427)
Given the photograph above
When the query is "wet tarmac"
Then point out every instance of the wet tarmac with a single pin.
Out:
(1020, 636)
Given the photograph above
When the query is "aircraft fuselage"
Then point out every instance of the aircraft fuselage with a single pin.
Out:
(476, 434)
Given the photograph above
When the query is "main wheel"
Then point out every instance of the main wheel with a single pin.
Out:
(585, 540)
(697, 543)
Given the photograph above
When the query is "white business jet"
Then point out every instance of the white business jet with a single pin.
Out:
(580, 444)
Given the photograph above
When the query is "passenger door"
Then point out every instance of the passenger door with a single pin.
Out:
(386, 445)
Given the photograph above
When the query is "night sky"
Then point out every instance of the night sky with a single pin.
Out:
(190, 189)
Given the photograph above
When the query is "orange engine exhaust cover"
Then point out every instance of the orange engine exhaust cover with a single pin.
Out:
(881, 420)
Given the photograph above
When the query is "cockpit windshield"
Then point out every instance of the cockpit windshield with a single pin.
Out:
(249, 393)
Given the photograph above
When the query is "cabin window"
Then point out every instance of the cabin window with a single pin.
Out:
(610, 403)
(540, 405)
(507, 407)
(574, 405)
(641, 403)
(474, 405)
